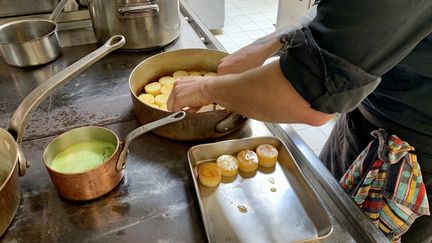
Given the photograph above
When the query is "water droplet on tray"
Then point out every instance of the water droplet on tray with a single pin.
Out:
(242, 209)
(271, 180)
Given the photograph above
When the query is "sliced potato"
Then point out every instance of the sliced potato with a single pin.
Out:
(194, 73)
(154, 106)
(267, 155)
(164, 107)
(166, 80)
(210, 74)
(229, 164)
(248, 160)
(166, 89)
(161, 99)
(180, 73)
(209, 174)
(146, 98)
(153, 88)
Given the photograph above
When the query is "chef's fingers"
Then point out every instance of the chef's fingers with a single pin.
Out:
(170, 102)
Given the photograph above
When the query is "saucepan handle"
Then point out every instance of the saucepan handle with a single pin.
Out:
(177, 116)
(23, 113)
(230, 123)
(57, 10)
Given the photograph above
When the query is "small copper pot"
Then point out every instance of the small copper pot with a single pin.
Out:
(98, 181)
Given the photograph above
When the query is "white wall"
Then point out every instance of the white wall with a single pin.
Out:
(290, 11)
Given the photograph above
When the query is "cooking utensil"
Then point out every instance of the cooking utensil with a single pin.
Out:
(31, 42)
(98, 181)
(273, 205)
(196, 126)
(22, 7)
(12, 160)
(146, 24)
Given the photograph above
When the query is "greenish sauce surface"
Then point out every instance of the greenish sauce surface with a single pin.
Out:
(82, 156)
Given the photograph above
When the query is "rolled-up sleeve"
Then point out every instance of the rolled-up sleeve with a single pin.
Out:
(329, 83)
(336, 61)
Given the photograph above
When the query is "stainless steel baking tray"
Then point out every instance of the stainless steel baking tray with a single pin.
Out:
(271, 205)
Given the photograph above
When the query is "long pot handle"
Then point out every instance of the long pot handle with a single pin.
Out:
(23, 113)
(57, 10)
(177, 116)
(230, 123)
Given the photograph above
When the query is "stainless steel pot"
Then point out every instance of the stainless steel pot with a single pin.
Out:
(12, 160)
(22, 7)
(31, 42)
(196, 126)
(145, 24)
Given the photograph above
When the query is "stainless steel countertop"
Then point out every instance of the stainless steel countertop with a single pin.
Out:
(156, 201)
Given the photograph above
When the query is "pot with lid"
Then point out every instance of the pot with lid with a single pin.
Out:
(146, 24)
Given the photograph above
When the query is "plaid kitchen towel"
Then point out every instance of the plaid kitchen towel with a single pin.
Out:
(386, 182)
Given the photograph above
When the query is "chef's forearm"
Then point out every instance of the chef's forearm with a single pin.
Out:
(259, 92)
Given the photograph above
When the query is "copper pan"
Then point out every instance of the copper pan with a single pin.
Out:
(12, 161)
(97, 181)
(196, 126)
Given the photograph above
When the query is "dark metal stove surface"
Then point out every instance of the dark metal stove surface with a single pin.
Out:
(154, 202)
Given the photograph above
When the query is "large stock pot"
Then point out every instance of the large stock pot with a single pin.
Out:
(145, 24)
(196, 126)
(12, 161)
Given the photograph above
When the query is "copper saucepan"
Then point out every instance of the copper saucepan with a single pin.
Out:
(12, 161)
(196, 126)
(97, 181)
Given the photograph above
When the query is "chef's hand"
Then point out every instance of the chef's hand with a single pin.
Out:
(188, 94)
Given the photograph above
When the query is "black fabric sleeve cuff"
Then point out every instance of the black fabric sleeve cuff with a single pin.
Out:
(329, 83)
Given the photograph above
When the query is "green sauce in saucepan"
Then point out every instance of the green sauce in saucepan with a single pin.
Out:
(82, 156)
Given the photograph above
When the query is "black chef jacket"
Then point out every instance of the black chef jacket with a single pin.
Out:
(371, 54)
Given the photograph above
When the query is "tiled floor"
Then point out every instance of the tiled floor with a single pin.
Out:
(248, 20)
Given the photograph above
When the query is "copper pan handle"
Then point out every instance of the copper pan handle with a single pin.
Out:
(230, 123)
(23, 113)
(177, 116)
